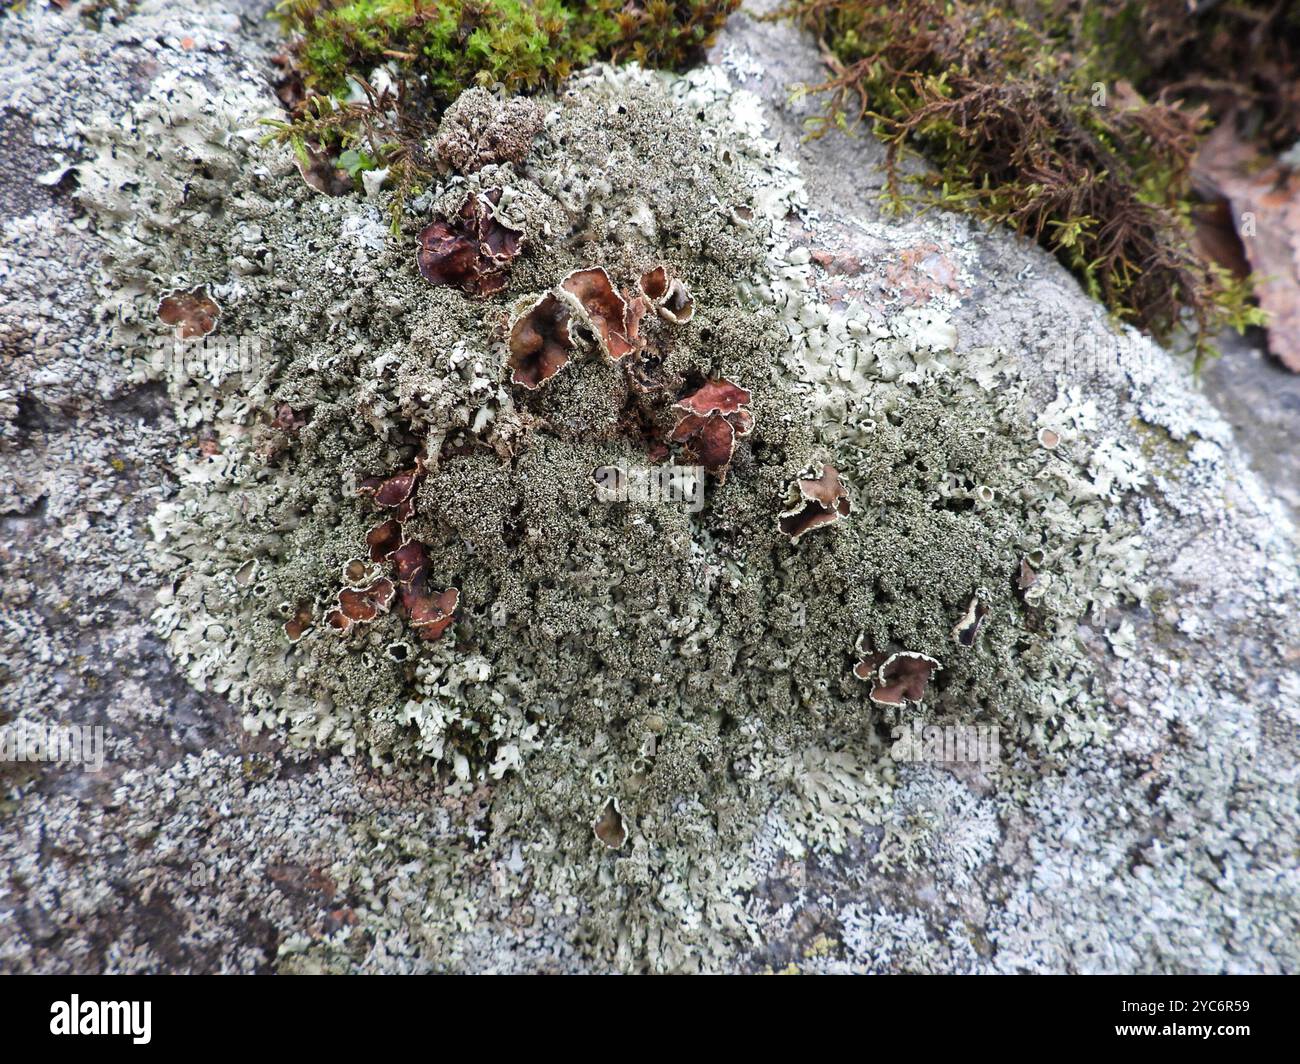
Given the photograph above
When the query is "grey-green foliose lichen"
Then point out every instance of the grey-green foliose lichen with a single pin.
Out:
(676, 664)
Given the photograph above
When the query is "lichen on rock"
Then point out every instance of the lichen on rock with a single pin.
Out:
(1163, 841)
(631, 655)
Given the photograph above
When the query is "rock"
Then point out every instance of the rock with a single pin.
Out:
(1136, 808)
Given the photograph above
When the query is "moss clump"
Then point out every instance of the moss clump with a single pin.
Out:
(1034, 134)
(432, 52)
(1238, 59)
(520, 44)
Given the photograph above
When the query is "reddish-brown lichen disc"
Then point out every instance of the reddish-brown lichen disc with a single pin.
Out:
(192, 314)
(384, 539)
(669, 296)
(411, 561)
(540, 342)
(716, 397)
(607, 309)
(609, 827)
(826, 489)
(712, 418)
(654, 283)
(902, 678)
(431, 615)
(447, 256)
(396, 489)
(818, 501)
(708, 441)
(499, 241)
(367, 603)
(298, 624)
(472, 251)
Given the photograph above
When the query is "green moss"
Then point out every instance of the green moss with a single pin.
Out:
(434, 52)
(520, 44)
(1236, 58)
(1028, 126)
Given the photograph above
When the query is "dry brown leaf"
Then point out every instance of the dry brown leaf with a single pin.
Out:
(1264, 199)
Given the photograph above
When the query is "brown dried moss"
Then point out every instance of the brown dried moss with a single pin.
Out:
(1020, 136)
